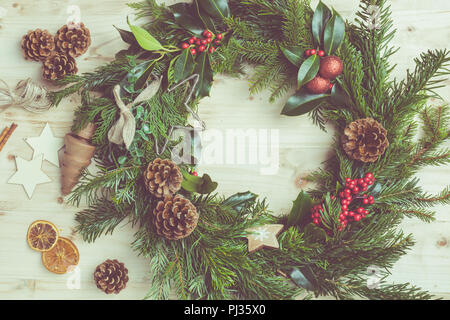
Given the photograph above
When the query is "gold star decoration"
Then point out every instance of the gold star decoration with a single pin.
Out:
(29, 174)
(264, 236)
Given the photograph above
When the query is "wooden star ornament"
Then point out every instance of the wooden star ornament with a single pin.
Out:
(264, 236)
(29, 174)
(47, 145)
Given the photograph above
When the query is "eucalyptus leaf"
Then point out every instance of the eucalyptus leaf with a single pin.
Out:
(303, 102)
(145, 39)
(308, 70)
(320, 18)
(334, 33)
(293, 54)
(239, 201)
(184, 66)
(203, 69)
(215, 8)
(301, 209)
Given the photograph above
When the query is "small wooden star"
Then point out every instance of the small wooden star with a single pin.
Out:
(46, 144)
(29, 174)
(264, 236)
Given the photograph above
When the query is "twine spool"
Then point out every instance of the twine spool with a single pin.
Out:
(27, 94)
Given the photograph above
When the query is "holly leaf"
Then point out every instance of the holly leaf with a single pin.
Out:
(300, 209)
(334, 33)
(308, 70)
(127, 36)
(207, 20)
(293, 54)
(320, 18)
(203, 69)
(303, 102)
(314, 234)
(202, 185)
(183, 14)
(215, 8)
(184, 66)
(145, 39)
(240, 201)
(338, 96)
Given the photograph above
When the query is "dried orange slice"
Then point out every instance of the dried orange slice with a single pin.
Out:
(42, 235)
(63, 255)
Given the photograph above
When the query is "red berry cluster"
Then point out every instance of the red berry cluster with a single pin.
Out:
(347, 196)
(201, 44)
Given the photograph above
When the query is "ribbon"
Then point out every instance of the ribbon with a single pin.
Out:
(123, 131)
(27, 94)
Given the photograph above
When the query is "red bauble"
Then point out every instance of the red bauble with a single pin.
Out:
(330, 67)
(318, 85)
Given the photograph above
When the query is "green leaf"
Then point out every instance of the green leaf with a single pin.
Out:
(334, 33)
(130, 80)
(203, 69)
(202, 185)
(300, 209)
(338, 96)
(314, 234)
(126, 36)
(184, 66)
(300, 279)
(319, 21)
(240, 201)
(146, 128)
(302, 102)
(122, 159)
(215, 8)
(308, 70)
(145, 39)
(183, 14)
(207, 20)
(293, 54)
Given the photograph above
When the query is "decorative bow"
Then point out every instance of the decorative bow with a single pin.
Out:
(124, 129)
(27, 94)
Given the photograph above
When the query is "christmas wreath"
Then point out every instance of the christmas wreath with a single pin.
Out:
(195, 239)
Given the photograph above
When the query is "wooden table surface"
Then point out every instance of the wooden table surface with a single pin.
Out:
(421, 25)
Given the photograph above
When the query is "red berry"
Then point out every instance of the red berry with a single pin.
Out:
(345, 213)
(313, 52)
(348, 180)
(316, 214)
(344, 207)
(365, 201)
(212, 49)
(370, 198)
(360, 210)
(366, 212)
(351, 213)
(198, 42)
(201, 48)
(331, 86)
(343, 201)
(203, 41)
(360, 181)
(321, 53)
(364, 195)
(357, 217)
(193, 51)
(209, 34)
(216, 42)
(364, 189)
(371, 202)
(205, 32)
(369, 175)
(208, 40)
(349, 199)
(308, 52)
(347, 191)
(341, 217)
(364, 185)
(316, 221)
(355, 190)
(332, 197)
(370, 182)
(341, 194)
(219, 36)
(194, 173)
(191, 40)
(184, 45)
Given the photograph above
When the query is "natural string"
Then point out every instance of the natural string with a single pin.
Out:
(195, 115)
(27, 94)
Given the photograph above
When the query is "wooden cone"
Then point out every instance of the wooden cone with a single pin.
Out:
(77, 156)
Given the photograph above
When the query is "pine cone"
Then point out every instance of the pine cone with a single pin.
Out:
(111, 276)
(59, 65)
(162, 177)
(73, 42)
(37, 44)
(175, 217)
(365, 140)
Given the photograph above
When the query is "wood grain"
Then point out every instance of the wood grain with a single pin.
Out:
(421, 25)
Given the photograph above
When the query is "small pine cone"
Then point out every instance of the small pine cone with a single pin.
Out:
(175, 217)
(162, 178)
(59, 65)
(365, 140)
(73, 42)
(37, 44)
(111, 276)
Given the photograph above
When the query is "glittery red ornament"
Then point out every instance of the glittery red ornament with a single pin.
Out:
(318, 85)
(330, 67)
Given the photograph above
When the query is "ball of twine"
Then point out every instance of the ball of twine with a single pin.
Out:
(27, 94)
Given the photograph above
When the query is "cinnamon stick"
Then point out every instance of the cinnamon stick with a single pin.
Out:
(7, 136)
(3, 135)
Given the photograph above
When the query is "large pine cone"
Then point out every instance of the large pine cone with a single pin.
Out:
(365, 140)
(111, 276)
(175, 217)
(59, 65)
(73, 42)
(37, 44)
(163, 178)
